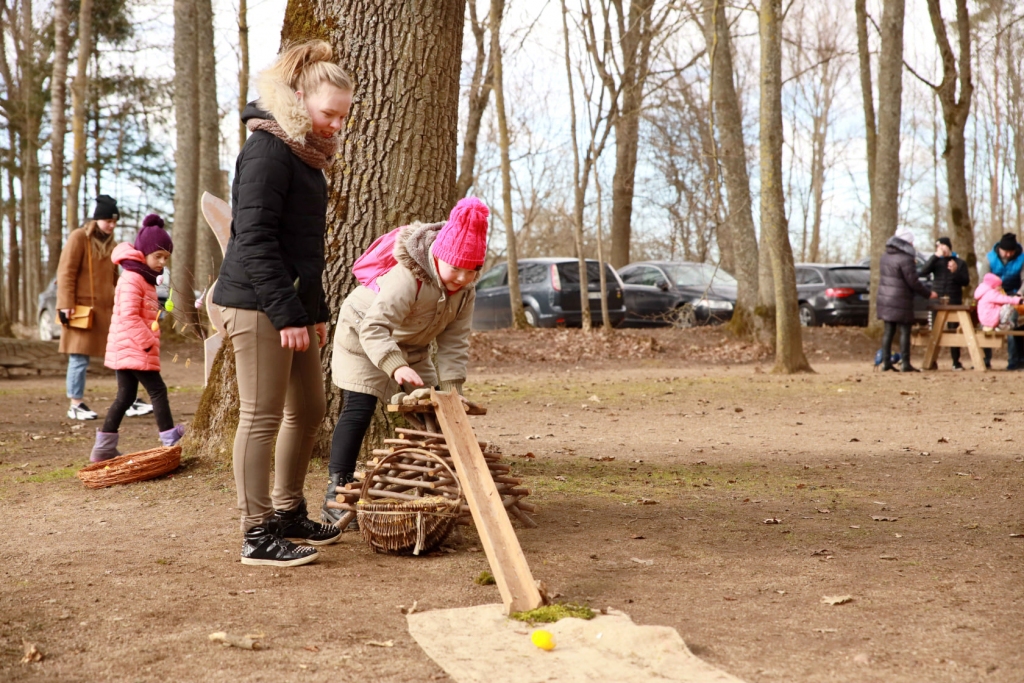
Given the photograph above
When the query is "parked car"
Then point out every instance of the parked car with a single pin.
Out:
(550, 288)
(46, 309)
(921, 312)
(678, 293)
(833, 294)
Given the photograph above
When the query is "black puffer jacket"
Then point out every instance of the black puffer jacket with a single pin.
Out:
(898, 282)
(945, 283)
(274, 261)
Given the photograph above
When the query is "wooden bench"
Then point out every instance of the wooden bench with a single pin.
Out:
(974, 339)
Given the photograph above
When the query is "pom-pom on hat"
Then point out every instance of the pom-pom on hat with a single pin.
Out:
(462, 242)
(106, 208)
(152, 236)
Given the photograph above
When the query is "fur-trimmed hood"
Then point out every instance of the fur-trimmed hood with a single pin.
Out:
(412, 250)
(278, 99)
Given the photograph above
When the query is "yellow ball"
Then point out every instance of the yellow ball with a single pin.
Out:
(543, 639)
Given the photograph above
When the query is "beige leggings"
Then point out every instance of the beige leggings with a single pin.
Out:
(281, 397)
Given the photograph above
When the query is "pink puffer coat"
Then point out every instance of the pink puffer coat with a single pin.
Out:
(133, 344)
(990, 297)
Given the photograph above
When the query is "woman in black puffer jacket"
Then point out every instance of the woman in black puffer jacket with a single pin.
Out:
(271, 297)
(897, 284)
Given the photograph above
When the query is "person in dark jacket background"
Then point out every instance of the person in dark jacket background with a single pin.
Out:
(272, 299)
(897, 284)
(949, 277)
(1006, 261)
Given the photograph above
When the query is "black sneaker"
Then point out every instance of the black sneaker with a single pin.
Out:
(295, 525)
(263, 547)
(957, 367)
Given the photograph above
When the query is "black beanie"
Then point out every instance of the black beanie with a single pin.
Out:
(1008, 242)
(106, 208)
(945, 240)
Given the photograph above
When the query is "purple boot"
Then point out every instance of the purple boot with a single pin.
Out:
(172, 436)
(105, 448)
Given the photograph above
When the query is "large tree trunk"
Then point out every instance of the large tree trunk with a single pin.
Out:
(822, 109)
(885, 189)
(398, 155)
(58, 121)
(636, 52)
(728, 119)
(79, 102)
(955, 112)
(208, 254)
(186, 160)
(512, 256)
(789, 352)
(14, 307)
(866, 90)
(479, 93)
(33, 107)
(243, 70)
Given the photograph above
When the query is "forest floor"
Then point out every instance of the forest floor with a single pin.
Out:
(655, 473)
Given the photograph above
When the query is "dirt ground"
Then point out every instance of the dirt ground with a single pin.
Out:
(655, 472)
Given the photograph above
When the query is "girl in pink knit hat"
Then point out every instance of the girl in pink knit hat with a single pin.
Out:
(416, 288)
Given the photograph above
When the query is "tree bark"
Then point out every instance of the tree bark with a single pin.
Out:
(512, 257)
(398, 154)
(789, 353)
(14, 307)
(208, 254)
(956, 73)
(866, 90)
(33, 108)
(727, 118)
(79, 102)
(58, 120)
(885, 190)
(186, 161)
(479, 92)
(243, 70)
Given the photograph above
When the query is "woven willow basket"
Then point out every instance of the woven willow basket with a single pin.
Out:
(407, 526)
(131, 467)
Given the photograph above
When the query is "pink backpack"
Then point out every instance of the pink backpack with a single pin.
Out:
(376, 261)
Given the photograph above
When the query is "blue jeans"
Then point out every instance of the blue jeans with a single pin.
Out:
(78, 363)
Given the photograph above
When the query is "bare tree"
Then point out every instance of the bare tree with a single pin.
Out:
(208, 254)
(58, 122)
(480, 86)
(79, 102)
(243, 69)
(789, 353)
(186, 157)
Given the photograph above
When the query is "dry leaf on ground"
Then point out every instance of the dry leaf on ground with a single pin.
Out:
(381, 643)
(646, 563)
(837, 599)
(232, 640)
(772, 520)
(32, 653)
(879, 518)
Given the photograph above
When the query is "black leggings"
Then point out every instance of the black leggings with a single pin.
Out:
(355, 418)
(887, 335)
(128, 390)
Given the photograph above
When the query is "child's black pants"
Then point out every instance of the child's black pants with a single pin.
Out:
(128, 390)
(356, 415)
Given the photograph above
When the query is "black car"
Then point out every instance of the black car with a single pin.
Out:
(833, 294)
(550, 288)
(678, 293)
(46, 309)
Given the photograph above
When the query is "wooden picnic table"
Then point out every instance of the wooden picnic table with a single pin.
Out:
(966, 336)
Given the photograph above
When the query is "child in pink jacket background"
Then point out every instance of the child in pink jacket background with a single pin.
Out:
(133, 344)
(995, 307)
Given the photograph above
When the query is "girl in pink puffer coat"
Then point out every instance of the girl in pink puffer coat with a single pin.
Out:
(995, 307)
(133, 344)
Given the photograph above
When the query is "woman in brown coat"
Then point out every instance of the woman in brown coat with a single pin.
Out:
(86, 277)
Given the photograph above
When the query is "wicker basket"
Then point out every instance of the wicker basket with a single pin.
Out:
(130, 467)
(407, 526)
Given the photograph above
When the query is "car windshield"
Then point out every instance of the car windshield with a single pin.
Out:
(850, 276)
(698, 275)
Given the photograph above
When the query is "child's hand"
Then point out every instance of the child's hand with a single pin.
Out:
(321, 334)
(934, 296)
(406, 375)
(295, 338)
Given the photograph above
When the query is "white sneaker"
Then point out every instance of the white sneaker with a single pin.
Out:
(139, 408)
(81, 412)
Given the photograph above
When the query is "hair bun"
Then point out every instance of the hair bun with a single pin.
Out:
(152, 219)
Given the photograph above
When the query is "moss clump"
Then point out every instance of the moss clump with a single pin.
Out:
(549, 614)
(484, 579)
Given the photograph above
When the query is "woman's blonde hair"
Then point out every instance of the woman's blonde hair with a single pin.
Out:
(307, 66)
(102, 245)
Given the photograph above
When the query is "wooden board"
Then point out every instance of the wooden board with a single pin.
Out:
(498, 538)
(218, 215)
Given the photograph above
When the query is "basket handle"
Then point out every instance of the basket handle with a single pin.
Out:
(368, 481)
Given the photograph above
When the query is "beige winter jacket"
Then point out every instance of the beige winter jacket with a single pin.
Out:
(378, 333)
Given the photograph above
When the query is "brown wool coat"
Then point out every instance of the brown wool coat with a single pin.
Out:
(73, 289)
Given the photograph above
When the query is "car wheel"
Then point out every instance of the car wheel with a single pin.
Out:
(531, 316)
(683, 316)
(807, 316)
(45, 329)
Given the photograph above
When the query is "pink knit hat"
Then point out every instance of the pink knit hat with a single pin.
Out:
(462, 242)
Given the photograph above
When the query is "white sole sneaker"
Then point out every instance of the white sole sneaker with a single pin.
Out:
(312, 557)
(77, 414)
(138, 410)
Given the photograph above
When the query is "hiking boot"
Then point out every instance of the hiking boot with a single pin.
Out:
(105, 447)
(138, 409)
(329, 515)
(295, 525)
(173, 435)
(262, 547)
(81, 412)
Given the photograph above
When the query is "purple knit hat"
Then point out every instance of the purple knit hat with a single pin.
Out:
(152, 236)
